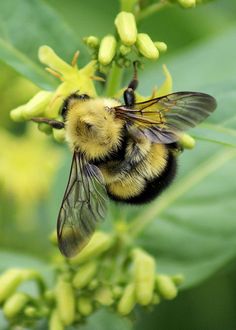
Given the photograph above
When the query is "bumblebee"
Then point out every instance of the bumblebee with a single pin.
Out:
(125, 152)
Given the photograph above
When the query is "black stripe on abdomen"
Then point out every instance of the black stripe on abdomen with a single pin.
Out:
(153, 187)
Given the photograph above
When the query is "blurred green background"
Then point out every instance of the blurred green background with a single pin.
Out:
(201, 56)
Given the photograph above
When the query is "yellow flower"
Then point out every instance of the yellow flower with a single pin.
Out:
(73, 79)
(27, 167)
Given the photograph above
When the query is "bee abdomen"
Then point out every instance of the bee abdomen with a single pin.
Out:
(153, 187)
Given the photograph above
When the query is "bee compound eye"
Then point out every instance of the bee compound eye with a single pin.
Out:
(89, 126)
(84, 97)
(64, 111)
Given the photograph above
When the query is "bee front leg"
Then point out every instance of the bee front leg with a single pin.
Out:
(51, 122)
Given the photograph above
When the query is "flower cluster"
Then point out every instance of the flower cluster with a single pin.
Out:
(108, 272)
(111, 271)
(108, 55)
(127, 45)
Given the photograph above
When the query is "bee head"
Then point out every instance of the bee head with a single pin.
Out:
(93, 127)
(70, 100)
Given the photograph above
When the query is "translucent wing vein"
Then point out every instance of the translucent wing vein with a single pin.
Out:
(163, 119)
(83, 206)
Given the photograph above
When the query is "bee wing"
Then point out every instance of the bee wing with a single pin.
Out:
(84, 205)
(163, 119)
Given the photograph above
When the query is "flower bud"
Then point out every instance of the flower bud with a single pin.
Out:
(15, 304)
(166, 287)
(34, 108)
(124, 50)
(91, 41)
(99, 243)
(84, 306)
(187, 3)
(117, 291)
(30, 312)
(146, 46)
(45, 128)
(186, 141)
(65, 299)
(17, 113)
(9, 281)
(144, 275)
(104, 296)
(30, 274)
(161, 46)
(107, 50)
(126, 27)
(93, 284)
(84, 275)
(55, 322)
(127, 301)
(177, 279)
(59, 135)
(49, 295)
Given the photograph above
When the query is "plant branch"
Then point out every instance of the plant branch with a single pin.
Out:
(127, 5)
(114, 80)
(219, 128)
(212, 140)
(150, 10)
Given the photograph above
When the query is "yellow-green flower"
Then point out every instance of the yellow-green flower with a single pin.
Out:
(72, 79)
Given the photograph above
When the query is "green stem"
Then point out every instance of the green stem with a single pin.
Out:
(219, 128)
(149, 215)
(114, 80)
(212, 140)
(150, 10)
(128, 5)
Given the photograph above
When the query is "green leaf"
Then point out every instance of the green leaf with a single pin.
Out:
(216, 134)
(10, 259)
(104, 319)
(25, 26)
(191, 227)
